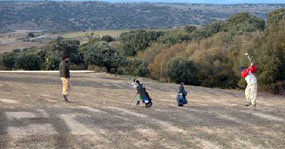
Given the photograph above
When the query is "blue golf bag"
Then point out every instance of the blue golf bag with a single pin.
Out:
(181, 100)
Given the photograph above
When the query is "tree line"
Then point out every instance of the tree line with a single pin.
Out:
(209, 56)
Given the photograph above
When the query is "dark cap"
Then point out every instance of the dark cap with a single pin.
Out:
(138, 82)
(242, 68)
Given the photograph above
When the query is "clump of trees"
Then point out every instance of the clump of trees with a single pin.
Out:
(182, 70)
(218, 51)
(137, 67)
(134, 41)
(28, 60)
(102, 54)
(8, 60)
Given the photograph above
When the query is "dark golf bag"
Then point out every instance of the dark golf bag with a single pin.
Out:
(147, 100)
(145, 97)
(181, 100)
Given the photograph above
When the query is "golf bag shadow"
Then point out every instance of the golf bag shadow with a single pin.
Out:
(181, 100)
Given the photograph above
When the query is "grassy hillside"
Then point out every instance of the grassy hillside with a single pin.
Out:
(73, 16)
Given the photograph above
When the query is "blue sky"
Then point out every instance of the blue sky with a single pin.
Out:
(184, 1)
(201, 1)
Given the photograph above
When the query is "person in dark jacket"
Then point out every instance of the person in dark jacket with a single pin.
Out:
(181, 97)
(65, 76)
(143, 94)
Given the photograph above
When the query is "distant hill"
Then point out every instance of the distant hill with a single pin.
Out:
(74, 16)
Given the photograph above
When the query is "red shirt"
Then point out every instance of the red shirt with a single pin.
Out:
(251, 69)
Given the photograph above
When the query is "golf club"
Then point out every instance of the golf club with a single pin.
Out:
(246, 54)
(132, 101)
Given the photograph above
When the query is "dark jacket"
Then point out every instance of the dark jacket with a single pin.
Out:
(64, 69)
(141, 90)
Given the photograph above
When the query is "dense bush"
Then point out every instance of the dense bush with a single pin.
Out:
(53, 52)
(102, 54)
(135, 41)
(8, 60)
(150, 53)
(107, 38)
(174, 36)
(158, 67)
(189, 28)
(207, 31)
(52, 60)
(137, 68)
(28, 61)
(243, 23)
(181, 70)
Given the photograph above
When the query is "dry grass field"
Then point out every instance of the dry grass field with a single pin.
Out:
(16, 40)
(19, 45)
(19, 40)
(113, 33)
(102, 114)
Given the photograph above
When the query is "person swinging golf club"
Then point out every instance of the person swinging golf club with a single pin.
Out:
(251, 89)
(142, 93)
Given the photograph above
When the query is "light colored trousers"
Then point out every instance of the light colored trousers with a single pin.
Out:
(251, 93)
(66, 86)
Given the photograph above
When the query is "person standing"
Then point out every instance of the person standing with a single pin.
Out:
(135, 86)
(181, 97)
(65, 76)
(142, 94)
(251, 89)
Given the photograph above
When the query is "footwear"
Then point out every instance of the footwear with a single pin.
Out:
(254, 105)
(248, 104)
(65, 98)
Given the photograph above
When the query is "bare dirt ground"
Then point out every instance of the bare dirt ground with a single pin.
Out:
(20, 40)
(19, 45)
(34, 115)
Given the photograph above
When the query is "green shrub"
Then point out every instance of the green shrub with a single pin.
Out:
(189, 28)
(135, 41)
(137, 68)
(243, 23)
(182, 70)
(102, 54)
(28, 61)
(174, 36)
(107, 38)
(9, 60)
(52, 60)
(53, 52)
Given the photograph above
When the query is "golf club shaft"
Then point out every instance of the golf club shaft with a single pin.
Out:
(132, 100)
(249, 58)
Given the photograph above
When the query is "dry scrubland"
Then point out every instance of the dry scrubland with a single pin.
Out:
(19, 45)
(34, 115)
(19, 40)
(113, 33)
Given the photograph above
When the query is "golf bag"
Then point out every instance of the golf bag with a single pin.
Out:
(145, 96)
(181, 99)
(147, 100)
